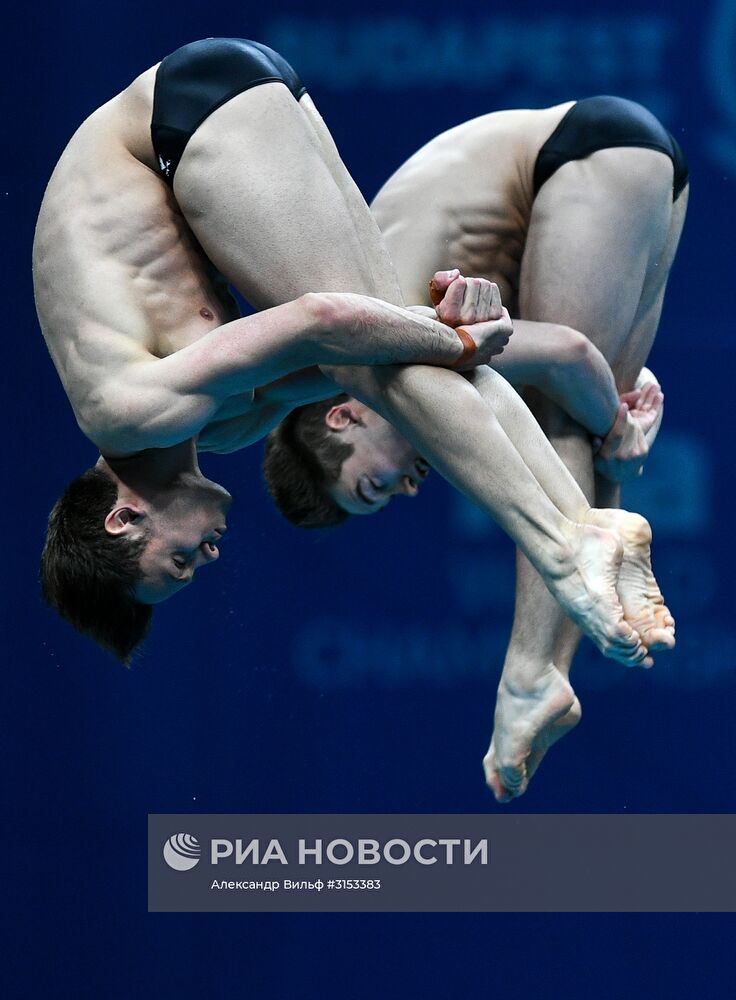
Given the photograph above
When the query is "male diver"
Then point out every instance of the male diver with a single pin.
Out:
(143, 330)
(575, 211)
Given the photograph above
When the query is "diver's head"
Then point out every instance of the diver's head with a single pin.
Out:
(111, 552)
(335, 458)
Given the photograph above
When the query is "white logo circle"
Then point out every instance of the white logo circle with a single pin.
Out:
(182, 852)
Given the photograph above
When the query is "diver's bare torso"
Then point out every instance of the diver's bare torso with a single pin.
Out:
(462, 207)
(118, 276)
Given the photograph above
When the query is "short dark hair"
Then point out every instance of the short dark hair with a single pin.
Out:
(303, 458)
(88, 575)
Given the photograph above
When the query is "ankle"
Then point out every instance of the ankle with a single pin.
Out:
(523, 677)
(559, 556)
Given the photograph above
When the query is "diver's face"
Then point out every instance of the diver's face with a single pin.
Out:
(184, 528)
(383, 465)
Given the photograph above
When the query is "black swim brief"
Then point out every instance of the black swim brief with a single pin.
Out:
(197, 79)
(603, 123)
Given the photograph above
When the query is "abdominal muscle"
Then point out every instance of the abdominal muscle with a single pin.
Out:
(118, 275)
(464, 200)
(437, 223)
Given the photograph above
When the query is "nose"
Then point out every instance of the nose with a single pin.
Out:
(408, 486)
(210, 552)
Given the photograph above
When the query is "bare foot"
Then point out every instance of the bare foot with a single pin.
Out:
(585, 588)
(528, 720)
(641, 598)
(549, 736)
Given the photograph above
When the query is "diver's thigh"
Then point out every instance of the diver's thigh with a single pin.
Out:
(646, 321)
(596, 225)
(257, 189)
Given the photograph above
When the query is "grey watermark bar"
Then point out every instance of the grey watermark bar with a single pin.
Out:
(441, 863)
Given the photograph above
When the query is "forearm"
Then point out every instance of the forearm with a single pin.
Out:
(564, 366)
(458, 433)
(427, 311)
(189, 386)
(359, 330)
(585, 388)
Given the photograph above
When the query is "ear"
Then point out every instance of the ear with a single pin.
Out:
(121, 520)
(342, 416)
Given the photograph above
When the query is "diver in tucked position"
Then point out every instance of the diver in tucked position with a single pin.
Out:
(217, 161)
(575, 212)
(216, 155)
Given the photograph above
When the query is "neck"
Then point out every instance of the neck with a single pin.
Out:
(153, 469)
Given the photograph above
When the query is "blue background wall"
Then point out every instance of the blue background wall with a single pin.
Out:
(355, 672)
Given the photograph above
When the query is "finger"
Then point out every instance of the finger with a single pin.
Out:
(508, 323)
(496, 309)
(469, 312)
(643, 399)
(449, 309)
(484, 300)
(500, 331)
(649, 395)
(491, 337)
(631, 398)
(657, 400)
(440, 283)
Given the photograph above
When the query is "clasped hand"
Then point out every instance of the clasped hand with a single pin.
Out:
(621, 455)
(474, 304)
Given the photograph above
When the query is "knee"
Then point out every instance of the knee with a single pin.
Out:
(572, 348)
(571, 365)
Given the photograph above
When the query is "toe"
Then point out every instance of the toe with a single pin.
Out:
(660, 640)
(630, 656)
(623, 635)
(514, 779)
(500, 793)
(493, 778)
